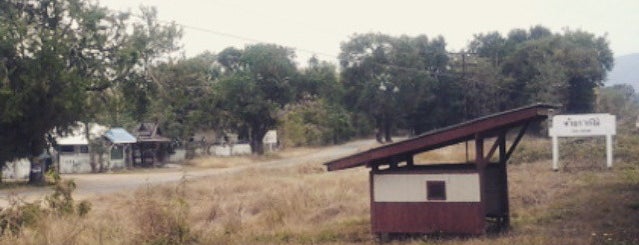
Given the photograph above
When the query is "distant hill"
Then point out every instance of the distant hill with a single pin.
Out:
(626, 70)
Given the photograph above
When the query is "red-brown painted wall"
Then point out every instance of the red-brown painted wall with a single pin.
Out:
(427, 217)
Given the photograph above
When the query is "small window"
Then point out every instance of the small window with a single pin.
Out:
(117, 153)
(436, 190)
(84, 149)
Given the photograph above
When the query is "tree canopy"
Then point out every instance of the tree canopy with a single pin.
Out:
(63, 61)
(59, 62)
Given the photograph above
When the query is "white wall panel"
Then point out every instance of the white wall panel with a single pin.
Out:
(412, 187)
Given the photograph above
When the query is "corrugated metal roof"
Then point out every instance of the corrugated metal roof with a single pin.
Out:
(77, 136)
(119, 136)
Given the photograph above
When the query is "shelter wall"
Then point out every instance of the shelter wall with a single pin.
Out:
(400, 202)
(494, 191)
(427, 217)
(412, 187)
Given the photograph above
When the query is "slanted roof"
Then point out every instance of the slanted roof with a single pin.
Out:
(119, 136)
(149, 132)
(77, 134)
(485, 126)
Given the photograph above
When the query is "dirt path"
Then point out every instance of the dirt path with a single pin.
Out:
(89, 185)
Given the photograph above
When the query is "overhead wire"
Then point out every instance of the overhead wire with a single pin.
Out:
(315, 53)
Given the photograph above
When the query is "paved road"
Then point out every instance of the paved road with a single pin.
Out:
(95, 184)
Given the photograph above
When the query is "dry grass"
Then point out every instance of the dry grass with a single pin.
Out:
(306, 205)
(451, 154)
(234, 161)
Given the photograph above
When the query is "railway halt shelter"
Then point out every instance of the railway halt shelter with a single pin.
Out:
(456, 198)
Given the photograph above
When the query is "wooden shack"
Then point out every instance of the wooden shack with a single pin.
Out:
(461, 198)
(119, 143)
(151, 148)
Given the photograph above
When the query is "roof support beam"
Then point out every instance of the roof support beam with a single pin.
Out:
(498, 142)
(522, 131)
(479, 150)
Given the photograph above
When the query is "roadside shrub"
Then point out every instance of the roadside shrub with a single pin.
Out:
(162, 217)
(315, 123)
(20, 214)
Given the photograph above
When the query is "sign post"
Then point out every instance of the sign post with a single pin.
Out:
(583, 125)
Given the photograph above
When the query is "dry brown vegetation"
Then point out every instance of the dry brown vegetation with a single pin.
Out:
(581, 204)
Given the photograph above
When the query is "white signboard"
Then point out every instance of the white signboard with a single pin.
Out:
(579, 126)
(583, 125)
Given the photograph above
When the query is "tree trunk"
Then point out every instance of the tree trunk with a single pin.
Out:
(387, 130)
(101, 162)
(257, 147)
(36, 175)
(257, 134)
(87, 135)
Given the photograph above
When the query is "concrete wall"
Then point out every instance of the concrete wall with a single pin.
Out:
(74, 163)
(178, 156)
(18, 169)
(235, 150)
(114, 164)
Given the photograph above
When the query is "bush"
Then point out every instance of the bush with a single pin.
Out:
(22, 214)
(315, 123)
(163, 219)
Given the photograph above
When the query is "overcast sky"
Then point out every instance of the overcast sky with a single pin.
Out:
(318, 27)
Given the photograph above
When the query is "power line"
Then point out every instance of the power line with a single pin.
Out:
(392, 66)
(238, 37)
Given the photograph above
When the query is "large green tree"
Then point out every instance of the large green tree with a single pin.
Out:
(316, 116)
(185, 101)
(56, 58)
(537, 65)
(388, 79)
(255, 88)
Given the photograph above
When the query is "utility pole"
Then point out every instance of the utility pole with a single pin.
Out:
(463, 79)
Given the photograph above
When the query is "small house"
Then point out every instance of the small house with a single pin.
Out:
(151, 147)
(457, 198)
(120, 148)
(73, 149)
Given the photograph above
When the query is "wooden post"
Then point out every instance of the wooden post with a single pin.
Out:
(504, 179)
(410, 161)
(480, 163)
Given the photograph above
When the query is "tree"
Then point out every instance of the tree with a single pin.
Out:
(39, 90)
(390, 78)
(186, 102)
(317, 115)
(256, 89)
(539, 66)
(562, 68)
(55, 56)
(620, 100)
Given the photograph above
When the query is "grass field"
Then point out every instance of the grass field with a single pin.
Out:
(581, 204)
